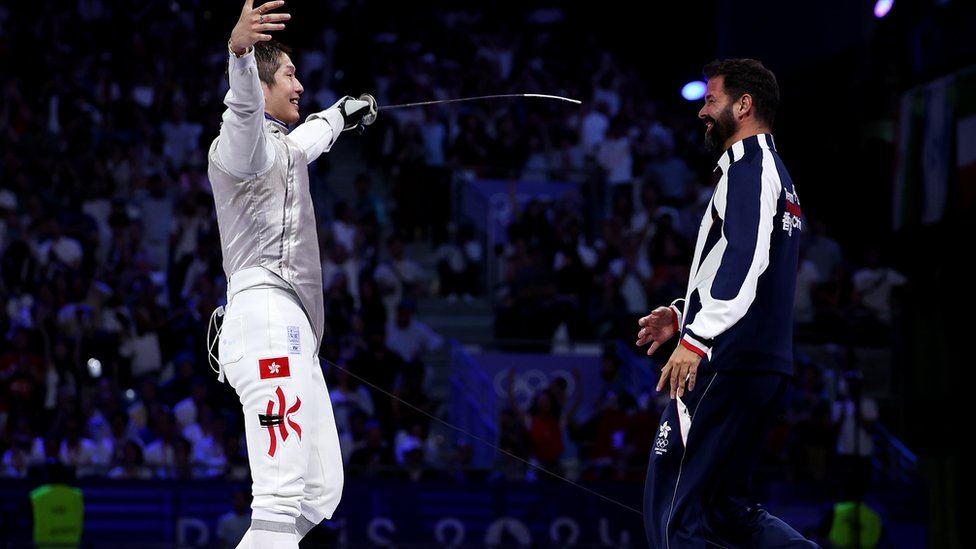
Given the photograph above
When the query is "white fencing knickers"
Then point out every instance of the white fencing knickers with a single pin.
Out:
(268, 354)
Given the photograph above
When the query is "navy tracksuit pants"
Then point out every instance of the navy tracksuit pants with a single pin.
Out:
(706, 446)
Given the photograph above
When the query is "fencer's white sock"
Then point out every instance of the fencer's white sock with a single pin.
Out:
(271, 530)
(273, 540)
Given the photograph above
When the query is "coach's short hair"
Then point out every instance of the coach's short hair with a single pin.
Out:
(744, 76)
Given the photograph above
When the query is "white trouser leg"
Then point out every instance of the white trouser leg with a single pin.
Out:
(245, 542)
(267, 353)
(324, 476)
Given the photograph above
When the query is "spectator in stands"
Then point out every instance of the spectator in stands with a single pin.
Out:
(338, 262)
(414, 432)
(208, 447)
(232, 525)
(8, 216)
(633, 275)
(410, 402)
(111, 448)
(573, 264)
(470, 148)
(348, 397)
(460, 461)
(374, 457)
(55, 248)
(235, 452)
(593, 127)
(371, 215)
(512, 432)
(354, 437)
(181, 466)
(186, 410)
(17, 457)
(854, 415)
(807, 279)
(568, 398)
(811, 436)
(612, 372)
(379, 368)
(345, 229)
(408, 337)
(545, 425)
(416, 466)
(372, 309)
(141, 346)
(824, 251)
(459, 262)
(525, 296)
(670, 174)
(23, 379)
(615, 158)
(876, 287)
(340, 303)
(609, 447)
(399, 276)
(131, 467)
(78, 451)
(161, 451)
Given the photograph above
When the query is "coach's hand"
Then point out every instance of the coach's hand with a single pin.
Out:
(656, 328)
(680, 371)
(254, 23)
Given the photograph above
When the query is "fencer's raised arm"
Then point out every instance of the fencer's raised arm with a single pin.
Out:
(242, 147)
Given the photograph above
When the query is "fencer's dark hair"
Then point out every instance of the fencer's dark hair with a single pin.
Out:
(748, 76)
(268, 57)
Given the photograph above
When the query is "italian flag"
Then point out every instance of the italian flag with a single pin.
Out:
(923, 158)
(966, 138)
(935, 163)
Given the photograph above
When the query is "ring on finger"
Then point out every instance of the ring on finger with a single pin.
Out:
(261, 19)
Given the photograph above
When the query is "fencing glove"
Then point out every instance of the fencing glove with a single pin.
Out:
(357, 113)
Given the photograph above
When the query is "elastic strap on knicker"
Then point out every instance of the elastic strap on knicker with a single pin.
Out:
(211, 357)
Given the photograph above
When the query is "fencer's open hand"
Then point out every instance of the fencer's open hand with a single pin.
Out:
(656, 328)
(680, 371)
(254, 23)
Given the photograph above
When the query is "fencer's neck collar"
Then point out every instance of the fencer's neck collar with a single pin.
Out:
(284, 127)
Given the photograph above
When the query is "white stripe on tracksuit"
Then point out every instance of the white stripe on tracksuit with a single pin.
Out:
(736, 262)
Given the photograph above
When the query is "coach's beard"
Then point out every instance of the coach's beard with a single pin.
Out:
(722, 129)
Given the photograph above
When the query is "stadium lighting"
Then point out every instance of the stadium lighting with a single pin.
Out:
(882, 7)
(693, 91)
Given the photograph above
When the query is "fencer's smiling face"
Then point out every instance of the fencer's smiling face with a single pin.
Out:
(720, 123)
(281, 100)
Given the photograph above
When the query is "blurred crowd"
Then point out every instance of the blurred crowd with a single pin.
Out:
(110, 265)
